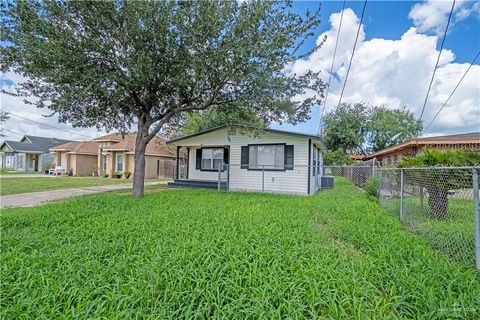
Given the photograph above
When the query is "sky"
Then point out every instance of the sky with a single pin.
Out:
(396, 52)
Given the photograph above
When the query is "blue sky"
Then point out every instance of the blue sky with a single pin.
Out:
(390, 20)
(396, 52)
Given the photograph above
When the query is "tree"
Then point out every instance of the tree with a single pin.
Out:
(438, 182)
(4, 116)
(336, 157)
(203, 120)
(346, 127)
(120, 64)
(357, 128)
(387, 127)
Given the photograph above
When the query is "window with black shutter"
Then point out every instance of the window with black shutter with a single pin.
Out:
(244, 157)
(198, 159)
(289, 156)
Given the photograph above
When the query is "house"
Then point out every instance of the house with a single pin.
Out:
(31, 153)
(114, 153)
(235, 158)
(394, 154)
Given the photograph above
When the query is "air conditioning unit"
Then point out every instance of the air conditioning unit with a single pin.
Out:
(327, 182)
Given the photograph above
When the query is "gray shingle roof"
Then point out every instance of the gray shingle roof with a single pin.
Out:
(37, 144)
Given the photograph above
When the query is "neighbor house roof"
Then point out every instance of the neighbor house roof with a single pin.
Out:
(33, 144)
(465, 138)
(156, 146)
(111, 137)
(78, 147)
(298, 134)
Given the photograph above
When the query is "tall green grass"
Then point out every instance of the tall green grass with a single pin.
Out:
(206, 254)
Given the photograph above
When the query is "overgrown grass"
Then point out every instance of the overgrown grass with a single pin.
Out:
(207, 254)
(454, 235)
(25, 185)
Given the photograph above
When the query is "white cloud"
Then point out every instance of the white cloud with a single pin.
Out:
(397, 73)
(17, 106)
(432, 16)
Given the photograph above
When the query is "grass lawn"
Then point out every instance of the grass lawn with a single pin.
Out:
(25, 185)
(454, 235)
(207, 254)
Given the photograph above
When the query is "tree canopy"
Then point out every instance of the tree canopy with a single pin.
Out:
(118, 65)
(357, 128)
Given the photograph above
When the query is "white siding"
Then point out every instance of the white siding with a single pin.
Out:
(289, 181)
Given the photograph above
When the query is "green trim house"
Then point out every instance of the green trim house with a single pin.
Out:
(28, 154)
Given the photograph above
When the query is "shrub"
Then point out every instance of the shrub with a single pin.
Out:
(127, 174)
(372, 187)
(6, 169)
(105, 175)
(117, 174)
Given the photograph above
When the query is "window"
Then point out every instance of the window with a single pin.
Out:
(104, 163)
(119, 163)
(212, 158)
(266, 156)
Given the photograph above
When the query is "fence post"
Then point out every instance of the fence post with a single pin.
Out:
(401, 194)
(219, 176)
(263, 178)
(476, 217)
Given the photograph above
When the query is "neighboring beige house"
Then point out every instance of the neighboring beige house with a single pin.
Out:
(78, 156)
(114, 153)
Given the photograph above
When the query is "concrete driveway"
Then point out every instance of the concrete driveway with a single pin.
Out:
(37, 198)
(25, 175)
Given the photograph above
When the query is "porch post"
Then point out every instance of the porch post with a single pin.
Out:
(178, 162)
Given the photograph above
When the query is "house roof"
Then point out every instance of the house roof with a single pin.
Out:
(298, 134)
(34, 144)
(82, 147)
(156, 146)
(111, 137)
(465, 138)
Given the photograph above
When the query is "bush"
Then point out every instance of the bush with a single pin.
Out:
(372, 187)
(105, 175)
(117, 174)
(127, 174)
(6, 169)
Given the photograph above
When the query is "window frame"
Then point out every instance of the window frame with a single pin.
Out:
(212, 169)
(116, 162)
(284, 167)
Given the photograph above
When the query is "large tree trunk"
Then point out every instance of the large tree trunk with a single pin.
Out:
(139, 171)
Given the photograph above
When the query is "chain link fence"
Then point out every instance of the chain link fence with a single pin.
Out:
(439, 204)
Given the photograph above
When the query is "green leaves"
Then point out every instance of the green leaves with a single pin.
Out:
(357, 127)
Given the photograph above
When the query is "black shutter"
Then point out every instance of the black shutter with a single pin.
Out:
(226, 158)
(198, 159)
(244, 157)
(289, 157)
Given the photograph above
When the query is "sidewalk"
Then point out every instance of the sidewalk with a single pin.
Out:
(37, 198)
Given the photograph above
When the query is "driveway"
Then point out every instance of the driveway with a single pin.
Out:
(25, 175)
(37, 198)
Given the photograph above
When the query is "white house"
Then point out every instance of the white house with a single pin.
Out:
(238, 159)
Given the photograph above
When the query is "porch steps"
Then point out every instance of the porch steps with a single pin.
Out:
(205, 184)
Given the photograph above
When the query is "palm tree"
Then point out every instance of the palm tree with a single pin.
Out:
(439, 182)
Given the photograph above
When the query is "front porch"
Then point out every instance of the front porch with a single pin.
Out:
(191, 183)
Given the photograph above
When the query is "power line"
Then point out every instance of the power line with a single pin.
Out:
(353, 53)
(50, 126)
(331, 69)
(438, 59)
(451, 94)
(3, 129)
